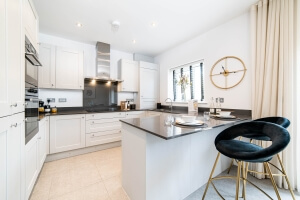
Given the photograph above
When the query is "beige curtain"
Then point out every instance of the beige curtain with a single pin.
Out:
(273, 26)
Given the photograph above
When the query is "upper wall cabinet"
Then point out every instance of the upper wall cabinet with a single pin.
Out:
(128, 71)
(62, 68)
(31, 23)
(11, 58)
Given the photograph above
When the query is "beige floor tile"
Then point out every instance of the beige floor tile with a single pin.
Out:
(60, 185)
(55, 167)
(68, 196)
(115, 189)
(96, 191)
(110, 169)
(42, 186)
(39, 196)
(84, 178)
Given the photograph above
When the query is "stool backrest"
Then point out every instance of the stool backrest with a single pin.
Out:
(282, 121)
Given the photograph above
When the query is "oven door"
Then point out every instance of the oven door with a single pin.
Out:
(31, 73)
(31, 117)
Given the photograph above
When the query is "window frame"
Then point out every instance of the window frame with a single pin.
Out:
(172, 83)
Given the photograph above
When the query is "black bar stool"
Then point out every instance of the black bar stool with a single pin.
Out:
(284, 122)
(247, 152)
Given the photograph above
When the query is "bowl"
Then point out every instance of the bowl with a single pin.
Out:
(224, 113)
(188, 118)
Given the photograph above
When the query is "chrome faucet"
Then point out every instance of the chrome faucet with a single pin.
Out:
(171, 103)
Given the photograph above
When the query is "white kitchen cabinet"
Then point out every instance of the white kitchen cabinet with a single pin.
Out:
(47, 71)
(31, 164)
(11, 58)
(103, 128)
(12, 146)
(148, 85)
(31, 23)
(69, 68)
(62, 68)
(135, 114)
(67, 132)
(35, 155)
(128, 71)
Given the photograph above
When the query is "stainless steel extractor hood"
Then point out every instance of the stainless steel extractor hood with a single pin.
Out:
(103, 63)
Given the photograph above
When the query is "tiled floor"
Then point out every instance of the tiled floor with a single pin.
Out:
(93, 176)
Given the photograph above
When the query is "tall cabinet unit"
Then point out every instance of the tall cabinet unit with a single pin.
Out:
(12, 174)
(148, 85)
(11, 58)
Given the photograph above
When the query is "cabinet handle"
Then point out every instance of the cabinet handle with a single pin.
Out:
(52, 85)
(39, 138)
(25, 104)
(82, 117)
(93, 122)
(14, 125)
(26, 119)
(14, 105)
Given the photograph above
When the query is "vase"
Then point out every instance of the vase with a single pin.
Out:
(183, 95)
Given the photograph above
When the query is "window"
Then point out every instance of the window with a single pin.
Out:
(187, 82)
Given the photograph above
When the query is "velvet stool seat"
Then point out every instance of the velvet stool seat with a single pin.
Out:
(242, 152)
(281, 121)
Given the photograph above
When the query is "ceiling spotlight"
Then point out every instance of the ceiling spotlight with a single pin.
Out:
(153, 24)
(115, 26)
(133, 41)
(78, 24)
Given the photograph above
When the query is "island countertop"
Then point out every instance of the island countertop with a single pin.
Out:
(156, 125)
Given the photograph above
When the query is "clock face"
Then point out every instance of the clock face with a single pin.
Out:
(227, 72)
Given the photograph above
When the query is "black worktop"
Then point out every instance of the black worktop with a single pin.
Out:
(156, 125)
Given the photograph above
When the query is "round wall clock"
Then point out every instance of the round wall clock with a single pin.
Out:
(227, 72)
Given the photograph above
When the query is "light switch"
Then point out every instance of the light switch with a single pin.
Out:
(62, 100)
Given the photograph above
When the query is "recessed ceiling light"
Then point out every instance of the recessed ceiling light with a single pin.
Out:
(153, 24)
(133, 41)
(78, 24)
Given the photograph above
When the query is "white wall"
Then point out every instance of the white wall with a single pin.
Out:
(231, 38)
(74, 97)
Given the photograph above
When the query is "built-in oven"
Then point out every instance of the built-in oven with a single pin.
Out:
(31, 63)
(31, 112)
(31, 91)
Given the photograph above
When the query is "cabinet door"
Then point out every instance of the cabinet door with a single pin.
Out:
(4, 128)
(129, 74)
(67, 132)
(69, 68)
(4, 101)
(31, 164)
(16, 158)
(135, 114)
(148, 83)
(42, 142)
(47, 71)
(11, 58)
(31, 23)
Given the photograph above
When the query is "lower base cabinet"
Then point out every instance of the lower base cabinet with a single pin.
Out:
(12, 145)
(67, 132)
(35, 155)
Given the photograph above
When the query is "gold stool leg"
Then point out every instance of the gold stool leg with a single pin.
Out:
(238, 180)
(272, 180)
(230, 166)
(286, 177)
(244, 180)
(211, 174)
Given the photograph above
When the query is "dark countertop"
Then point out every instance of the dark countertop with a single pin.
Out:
(81, 110)
(156, 125)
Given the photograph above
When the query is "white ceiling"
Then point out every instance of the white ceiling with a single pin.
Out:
(177, 21)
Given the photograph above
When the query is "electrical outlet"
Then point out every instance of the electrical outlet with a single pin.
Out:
(131, 100)
(52, 100)
(62, 100)
(221, 100)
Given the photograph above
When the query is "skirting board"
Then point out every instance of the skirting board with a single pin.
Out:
(76, 152)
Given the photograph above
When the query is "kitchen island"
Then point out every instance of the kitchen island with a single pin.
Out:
(164, 161)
